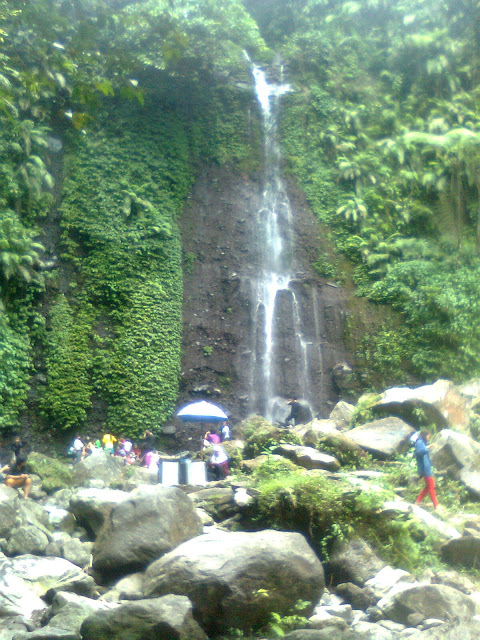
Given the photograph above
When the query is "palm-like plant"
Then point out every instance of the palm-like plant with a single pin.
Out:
(353, 209)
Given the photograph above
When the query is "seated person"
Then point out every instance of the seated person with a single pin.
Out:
(16, 476)
(219, 462)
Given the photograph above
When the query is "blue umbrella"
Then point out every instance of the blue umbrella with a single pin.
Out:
(202, 411)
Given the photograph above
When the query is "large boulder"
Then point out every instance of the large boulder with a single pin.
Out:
(25, 581)
(26, 539)
(307, 457)
(429, 600)
(462, 551)
(353, 561)
(167, 618)
(249, 466)
(383, 438)
(128, 588)
(453, 451)
(237, 579)
(65, 617)
(8, 508)
(101, 466)
(471, 479)
(458, 455)
(218, 502)
(440, 404)
(60, 519)
(91, 507)
(151, 522)
(311, 433)
(342, 414)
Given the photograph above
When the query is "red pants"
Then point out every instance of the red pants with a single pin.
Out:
(430, 489)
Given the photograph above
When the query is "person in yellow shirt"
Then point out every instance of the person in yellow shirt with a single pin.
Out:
(108, 441)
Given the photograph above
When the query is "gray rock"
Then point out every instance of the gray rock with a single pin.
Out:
(91, 507)
(12, 626)
(29, 512)
(67, 613)
(25, 580)
(430, 600)
(454, 580)
(358, 597)
(27, 539)
(321, 619)
(206, 519)
(47, 633)
(128, 588)
(386, 578)
(307, 457)
(218, 502)
(328, 633)
(463, 551)
(60, 519)
(164, 618)
(100, 466)
(369, 631)
(458, 629)
(61, 498)
(222, 574)
(151, 522)
(471, 479)
(138, 476)
(9, 501)
(453, 451)
(255, 463)
(77, 552)
(383, 438)
(431, 522)
(342, 414)
(312, 432)
(441, 404)
(354, 561)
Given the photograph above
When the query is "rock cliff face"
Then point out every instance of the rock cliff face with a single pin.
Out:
(218, 331)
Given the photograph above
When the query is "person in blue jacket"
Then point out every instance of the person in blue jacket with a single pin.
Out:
(424, 467)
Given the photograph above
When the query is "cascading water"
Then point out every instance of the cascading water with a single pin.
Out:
(280, 364)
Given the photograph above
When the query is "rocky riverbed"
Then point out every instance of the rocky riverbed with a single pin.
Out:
(114, 555)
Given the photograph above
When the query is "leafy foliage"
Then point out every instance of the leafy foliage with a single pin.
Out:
(383, 137)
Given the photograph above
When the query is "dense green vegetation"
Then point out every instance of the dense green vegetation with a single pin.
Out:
(130, 93)
(382, 134)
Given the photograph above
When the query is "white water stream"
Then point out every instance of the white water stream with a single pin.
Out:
(272, 282)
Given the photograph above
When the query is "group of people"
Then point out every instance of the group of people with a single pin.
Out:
(218, 462)
(82, 447)
(145, 452)
(15, 472)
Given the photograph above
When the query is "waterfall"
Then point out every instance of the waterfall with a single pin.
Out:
(280, 363)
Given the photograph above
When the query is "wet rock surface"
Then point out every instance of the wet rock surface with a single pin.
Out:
(217, 237)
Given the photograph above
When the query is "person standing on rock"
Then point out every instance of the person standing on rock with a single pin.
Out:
(424, 467)
(295, 408)
(108, 442)
(225, 433)
(78, 447)
(16, 476)
(149, 443)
